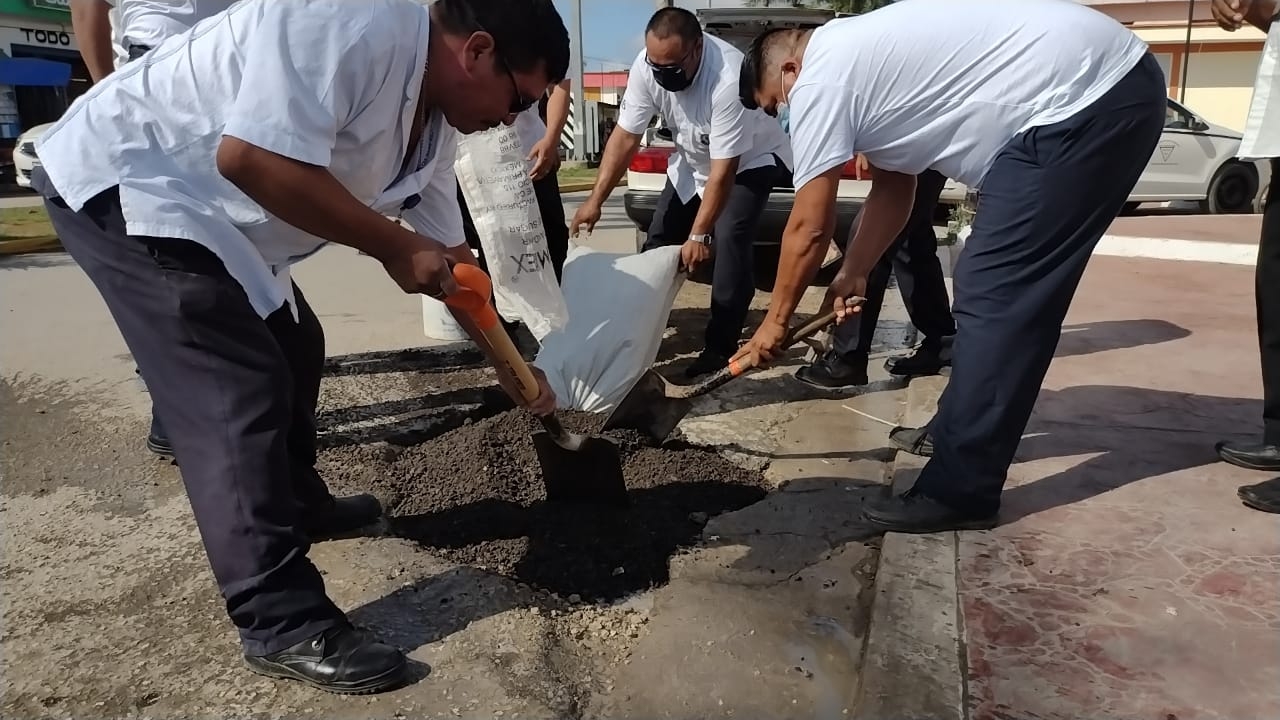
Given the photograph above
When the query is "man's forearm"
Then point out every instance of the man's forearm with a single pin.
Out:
(884, 215)
(617, 155)
(557, 112)
(310, 199)
(714, 198)
(91, 21)
(804, 245)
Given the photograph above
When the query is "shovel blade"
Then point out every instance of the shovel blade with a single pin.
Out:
(649, 408)
(591, 474)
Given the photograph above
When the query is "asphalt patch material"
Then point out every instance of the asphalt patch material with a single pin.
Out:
(475, 495)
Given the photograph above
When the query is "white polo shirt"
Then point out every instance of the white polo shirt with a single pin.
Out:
(707, 119)
(331, 83)
(151, 22)
(946, 84)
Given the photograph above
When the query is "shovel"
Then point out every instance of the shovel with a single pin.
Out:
(575, 468)
(654, 406)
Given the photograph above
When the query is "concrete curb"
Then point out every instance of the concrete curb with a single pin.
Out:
(584, 185)
(913, 667)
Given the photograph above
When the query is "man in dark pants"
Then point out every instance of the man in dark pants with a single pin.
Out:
(1054, 135)
(913, 258)
(187, 185)
(1262, 140)
(727, 161)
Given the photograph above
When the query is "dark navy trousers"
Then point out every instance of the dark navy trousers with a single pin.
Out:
(1043, 206)
(238, 394)
(913, 258)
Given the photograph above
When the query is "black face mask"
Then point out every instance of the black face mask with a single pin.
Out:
(672, 78)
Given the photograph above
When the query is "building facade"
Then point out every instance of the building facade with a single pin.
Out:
(1218, 66)
(39, 29)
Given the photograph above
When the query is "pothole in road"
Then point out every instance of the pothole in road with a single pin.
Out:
(464, 482)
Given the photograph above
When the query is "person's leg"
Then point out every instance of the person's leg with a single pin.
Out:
(323, 516)
(923, 285)
(1046, 202)
(224, 387)
(551, 208)
(732, 267)
(671, 221)
(1265, 455)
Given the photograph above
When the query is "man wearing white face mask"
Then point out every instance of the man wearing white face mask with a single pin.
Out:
(727, 162)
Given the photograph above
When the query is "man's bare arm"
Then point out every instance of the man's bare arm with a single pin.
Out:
(91, 21)
(804, 244)
(884, 215)
(618, 152)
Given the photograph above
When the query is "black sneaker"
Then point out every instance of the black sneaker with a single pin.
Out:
(1264, 496)
(928, 359)
(834, 371)
(705, 364)
(916, 441)
(340, 660)
(346, 517)
(913, 512)
(1257, 456)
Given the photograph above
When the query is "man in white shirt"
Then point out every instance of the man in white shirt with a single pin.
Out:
(1262, 140)
(1049, 108)
(141, 23)
(727, 161)
(185, 186)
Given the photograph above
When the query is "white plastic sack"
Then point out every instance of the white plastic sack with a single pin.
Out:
(618, 310)
(494, 177)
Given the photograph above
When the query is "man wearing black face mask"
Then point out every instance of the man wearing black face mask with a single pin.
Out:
(726, 163)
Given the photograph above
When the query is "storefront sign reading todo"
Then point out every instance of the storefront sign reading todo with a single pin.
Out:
(57, 38)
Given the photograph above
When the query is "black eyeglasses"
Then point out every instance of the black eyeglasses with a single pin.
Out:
(520, 103)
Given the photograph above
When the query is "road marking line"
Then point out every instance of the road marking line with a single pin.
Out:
(1178, 249)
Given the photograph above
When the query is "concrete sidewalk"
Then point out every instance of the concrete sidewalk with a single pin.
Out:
(1126, 579)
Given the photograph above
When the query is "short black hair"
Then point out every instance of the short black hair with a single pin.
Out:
(674, 21)
(754, 62)
(525, 33)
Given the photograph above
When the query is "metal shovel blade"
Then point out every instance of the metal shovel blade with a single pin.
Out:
(649, 408)
(589, 473)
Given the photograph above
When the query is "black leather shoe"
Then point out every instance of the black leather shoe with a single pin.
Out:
(705, 364)
(1264, 496)
(157, 442)
(1251, 456)
(916, 441)
(928, 359)
(346, 517)
(339, 660)
(912, 512)
(834, 371)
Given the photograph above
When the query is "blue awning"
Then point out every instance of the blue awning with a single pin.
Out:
(34, 71)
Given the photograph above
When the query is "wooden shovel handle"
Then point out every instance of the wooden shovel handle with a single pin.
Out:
(737, 368)
(472, 298)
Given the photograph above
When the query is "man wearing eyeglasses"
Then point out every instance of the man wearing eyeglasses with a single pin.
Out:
(185, 186)
(726, 163)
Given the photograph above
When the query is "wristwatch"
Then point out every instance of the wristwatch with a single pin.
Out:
(704, 239)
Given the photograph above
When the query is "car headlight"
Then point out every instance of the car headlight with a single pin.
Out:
(27, 148)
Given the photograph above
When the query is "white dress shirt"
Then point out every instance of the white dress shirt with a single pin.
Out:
(946, 84)
(330, 83)
(707, 119)
(1262, 128)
